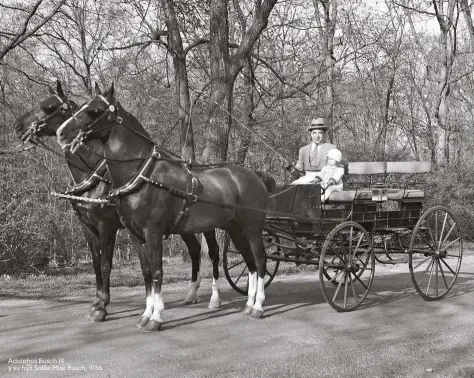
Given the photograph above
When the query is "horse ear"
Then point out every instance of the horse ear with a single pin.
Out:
(97, 89)
(59, 88)
(50, 90)
(112, 90)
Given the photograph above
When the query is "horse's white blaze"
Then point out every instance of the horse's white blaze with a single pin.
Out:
(260, 298)
(149, 304)
(158, 307)
(65, 123)
(252, 289)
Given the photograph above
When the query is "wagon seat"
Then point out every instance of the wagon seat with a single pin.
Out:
(378, 172)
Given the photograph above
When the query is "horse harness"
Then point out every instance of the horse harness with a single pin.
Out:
(188, 196)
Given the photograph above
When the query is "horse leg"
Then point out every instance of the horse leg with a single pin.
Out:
(243, 246)
(256, 245)
(144, 258)
(194, 249)
(153, 237)
(107, 244)
(211, 240)
(93, 244)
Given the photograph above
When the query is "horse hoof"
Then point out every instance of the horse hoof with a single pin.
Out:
(190, 300)
(256, 314)
(143, 321)
(91, 310)
(98, 315)
(153, 325)
(214, 304)
(247, 310)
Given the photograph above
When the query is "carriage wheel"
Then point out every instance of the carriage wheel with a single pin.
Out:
(348, 259)
(435, 253)
(235, 268)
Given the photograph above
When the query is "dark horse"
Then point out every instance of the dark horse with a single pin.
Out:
(101, 223)
(151, 202)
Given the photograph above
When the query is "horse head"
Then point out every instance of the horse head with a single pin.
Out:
(46, 117)
(92, 120)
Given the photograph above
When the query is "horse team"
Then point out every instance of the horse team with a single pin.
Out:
(152, 194)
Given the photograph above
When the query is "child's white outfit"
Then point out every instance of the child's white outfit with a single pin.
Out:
(335, 172)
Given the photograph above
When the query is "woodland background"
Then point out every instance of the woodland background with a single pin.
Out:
(394, 80)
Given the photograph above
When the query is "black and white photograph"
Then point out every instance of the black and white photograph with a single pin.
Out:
(237, 188)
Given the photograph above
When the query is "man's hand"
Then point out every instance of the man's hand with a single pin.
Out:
(316, 180)
(289, 166)
(331, 181)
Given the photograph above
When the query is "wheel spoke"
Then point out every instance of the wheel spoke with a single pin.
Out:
(240, 275)
(345, 291)
(450, 244)
(442, 230)
(236, 264)
(333, 279)
(448, 234)
(442, 275)
(426, 270)
(429, 279)
(337, 290)
(447, 266)
(422, 262)
(358, 245)
(353, 287)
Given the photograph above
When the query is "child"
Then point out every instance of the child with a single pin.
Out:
(330, 177)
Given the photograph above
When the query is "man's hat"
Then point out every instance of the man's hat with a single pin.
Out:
(317, 123)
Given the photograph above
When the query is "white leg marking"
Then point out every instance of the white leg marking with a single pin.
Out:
(149, 305)
(215, 301)
(252, 289)
(191, 297)
(260, 294)
(158, 307)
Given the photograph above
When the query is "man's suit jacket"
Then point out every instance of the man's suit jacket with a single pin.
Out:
(303, 158)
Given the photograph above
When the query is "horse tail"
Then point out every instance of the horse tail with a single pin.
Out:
(268, 181)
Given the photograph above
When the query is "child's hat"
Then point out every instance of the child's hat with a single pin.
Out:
(335, 154)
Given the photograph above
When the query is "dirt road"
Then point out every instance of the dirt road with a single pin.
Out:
(396, 334)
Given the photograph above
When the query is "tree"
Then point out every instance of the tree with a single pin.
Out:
(224, 70)
(31, 22)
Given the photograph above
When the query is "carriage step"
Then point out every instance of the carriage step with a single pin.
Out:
(298, 260)
(393, 261)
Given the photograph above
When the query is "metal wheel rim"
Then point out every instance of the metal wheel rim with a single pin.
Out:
(238, 268)
(435, 253)
(352, 287)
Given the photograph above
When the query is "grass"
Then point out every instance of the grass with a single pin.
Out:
(61, 282)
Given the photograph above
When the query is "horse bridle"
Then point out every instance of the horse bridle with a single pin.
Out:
(40, 124)
(84, 133)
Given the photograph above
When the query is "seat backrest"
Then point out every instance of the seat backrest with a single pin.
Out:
(367, 167)
(408, 166)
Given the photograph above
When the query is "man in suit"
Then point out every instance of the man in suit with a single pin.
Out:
(312, 157)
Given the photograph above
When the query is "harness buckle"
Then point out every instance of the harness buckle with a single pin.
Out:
(191, 198)
(156, 154)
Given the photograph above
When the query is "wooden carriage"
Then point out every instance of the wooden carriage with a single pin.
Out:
(379, 217)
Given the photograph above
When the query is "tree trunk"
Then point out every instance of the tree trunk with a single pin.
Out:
(248, 107)
(182, 96)
(217, 132)
(224, 71)
(326, 14)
